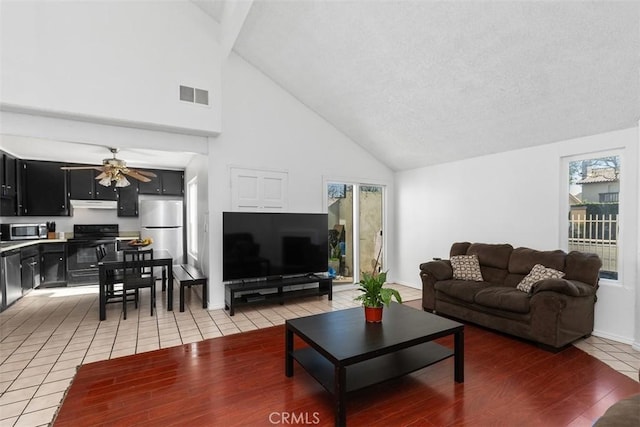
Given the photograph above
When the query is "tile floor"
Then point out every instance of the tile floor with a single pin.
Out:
(49, 332)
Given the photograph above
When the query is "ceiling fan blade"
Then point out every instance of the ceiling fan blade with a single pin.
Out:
(73, 168)
(135, 174)
(146, 173)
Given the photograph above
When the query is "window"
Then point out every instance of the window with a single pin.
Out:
(594, 196)
(192, 215)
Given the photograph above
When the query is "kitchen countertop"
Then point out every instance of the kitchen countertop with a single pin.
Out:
(17, 244)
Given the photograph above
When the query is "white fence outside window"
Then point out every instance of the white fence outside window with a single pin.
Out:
(596, 234)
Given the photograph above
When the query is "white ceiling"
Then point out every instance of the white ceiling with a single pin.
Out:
(421, 82)
(418, 83)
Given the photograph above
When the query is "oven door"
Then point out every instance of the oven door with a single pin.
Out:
(82, 261)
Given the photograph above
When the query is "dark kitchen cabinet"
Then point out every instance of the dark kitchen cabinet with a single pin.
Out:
(30, 270)
(43, 189)
(8, 185)
(128, 200)
(53, 264)
(172, 183)
(81, 184)
(167, 183)
(84, 186)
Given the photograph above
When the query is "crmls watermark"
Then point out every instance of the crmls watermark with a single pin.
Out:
(307, 418)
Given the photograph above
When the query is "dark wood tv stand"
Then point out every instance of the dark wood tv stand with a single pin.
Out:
(280, 290)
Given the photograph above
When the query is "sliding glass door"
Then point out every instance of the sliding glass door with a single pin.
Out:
(355, 229)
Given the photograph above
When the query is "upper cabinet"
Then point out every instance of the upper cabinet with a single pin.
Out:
(8, 185)
(167, 183)
(128, 199)
(43, 189)
(84, 186)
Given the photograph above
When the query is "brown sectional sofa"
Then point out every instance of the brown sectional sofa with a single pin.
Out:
(555, 313)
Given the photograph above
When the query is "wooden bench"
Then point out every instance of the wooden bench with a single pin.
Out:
(188, 275)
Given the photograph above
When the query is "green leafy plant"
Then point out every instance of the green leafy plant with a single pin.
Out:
(374, 294)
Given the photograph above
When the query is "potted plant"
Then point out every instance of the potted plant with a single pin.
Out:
(375, 295)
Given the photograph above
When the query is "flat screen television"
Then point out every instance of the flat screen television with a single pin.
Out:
(261, 245)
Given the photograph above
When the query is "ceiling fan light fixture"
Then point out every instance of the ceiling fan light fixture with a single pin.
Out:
(106, 181)
(122, 181)
(114, 170)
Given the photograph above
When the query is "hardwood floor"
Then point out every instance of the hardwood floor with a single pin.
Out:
(239, 380)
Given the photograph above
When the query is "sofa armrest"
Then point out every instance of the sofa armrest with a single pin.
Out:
(430, 273)
(556, 285)
(440, 269)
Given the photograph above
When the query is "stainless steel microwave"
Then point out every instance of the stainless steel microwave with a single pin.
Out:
(23, 231)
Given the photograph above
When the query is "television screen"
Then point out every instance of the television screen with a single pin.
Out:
(263, 245)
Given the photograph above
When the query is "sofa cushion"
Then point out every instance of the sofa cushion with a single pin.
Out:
(491, 255)
(538, 272)
(461, 289)
(466, 267)
(523, 259)
(503, 298)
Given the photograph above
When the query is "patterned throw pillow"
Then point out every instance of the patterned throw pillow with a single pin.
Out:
(537, 273)
(466, 267)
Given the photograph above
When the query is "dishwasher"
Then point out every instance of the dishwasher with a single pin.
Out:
(12, 277)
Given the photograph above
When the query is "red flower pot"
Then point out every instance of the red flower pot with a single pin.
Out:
(373, 314)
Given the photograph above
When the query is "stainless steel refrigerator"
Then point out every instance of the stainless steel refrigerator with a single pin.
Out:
(162, 221)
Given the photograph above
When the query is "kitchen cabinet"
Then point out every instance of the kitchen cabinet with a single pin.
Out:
(43, 189)
(8, 185)
(84, 186)
(167, 183)
(53, 264)
(12, 280)
(2, 286)
(128, 200)
(30, 268)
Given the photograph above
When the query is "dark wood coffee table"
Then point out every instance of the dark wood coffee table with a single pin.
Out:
(345, 353)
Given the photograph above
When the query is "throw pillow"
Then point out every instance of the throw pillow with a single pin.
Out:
(466, 267)
(537, 273)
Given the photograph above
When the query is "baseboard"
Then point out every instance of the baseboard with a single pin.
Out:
(614, 337)
(407, 284)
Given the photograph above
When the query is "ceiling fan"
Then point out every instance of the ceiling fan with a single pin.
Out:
(115, 170)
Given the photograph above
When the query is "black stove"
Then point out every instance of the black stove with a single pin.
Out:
(95, 231)
(82, 261)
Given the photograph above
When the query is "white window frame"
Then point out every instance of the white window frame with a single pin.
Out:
(192, 218)
(564, 207)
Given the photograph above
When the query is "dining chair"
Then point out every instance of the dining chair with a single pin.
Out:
(137, 276)
(113, 278)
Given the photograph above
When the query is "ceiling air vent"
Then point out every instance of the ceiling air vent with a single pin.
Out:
(194, 95)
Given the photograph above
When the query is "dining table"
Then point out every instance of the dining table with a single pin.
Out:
(115, 261)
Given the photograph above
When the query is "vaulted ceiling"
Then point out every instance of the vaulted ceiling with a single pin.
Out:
(423, 82)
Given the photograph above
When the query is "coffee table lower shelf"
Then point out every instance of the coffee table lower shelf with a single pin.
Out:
(372, 371)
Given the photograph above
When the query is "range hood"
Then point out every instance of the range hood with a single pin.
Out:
(94, 204)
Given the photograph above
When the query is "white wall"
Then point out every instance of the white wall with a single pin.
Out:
(515, 197)
(266, 128)
(110, 61)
